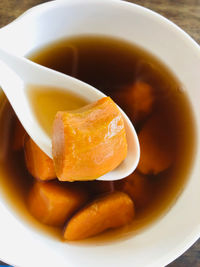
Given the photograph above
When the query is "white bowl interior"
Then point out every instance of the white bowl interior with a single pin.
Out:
(180, 227)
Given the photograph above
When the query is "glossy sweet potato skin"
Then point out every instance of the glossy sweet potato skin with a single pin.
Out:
(89, 142)
(38, 163)
(156, 153)
(110, 211)
(53, 203)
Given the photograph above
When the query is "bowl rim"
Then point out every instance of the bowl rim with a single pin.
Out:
(195, 234)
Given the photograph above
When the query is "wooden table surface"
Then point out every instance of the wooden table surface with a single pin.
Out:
(185, 13)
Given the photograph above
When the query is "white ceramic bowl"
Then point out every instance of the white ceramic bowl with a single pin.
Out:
(170, 236)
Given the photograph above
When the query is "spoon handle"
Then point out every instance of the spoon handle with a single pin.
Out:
(21, 66)
(14, 76)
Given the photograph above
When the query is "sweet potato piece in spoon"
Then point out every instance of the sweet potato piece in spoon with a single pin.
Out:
(89, 142)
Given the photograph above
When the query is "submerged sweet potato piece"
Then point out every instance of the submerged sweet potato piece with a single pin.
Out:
(38, 163)
(53, 203)
(88, 142)
(136, 100)
(155, 147)
(18, 137)
(138, 187)
(110, 211)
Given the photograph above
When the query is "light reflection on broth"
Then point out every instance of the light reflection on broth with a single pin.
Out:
(47, 101)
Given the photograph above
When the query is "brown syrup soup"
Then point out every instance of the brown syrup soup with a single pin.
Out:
(112, 66)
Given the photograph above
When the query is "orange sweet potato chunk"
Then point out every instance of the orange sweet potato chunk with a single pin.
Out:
(19, 135)
(138, 187)
(136, 100)
(53, 203)
(38, 163)
(155, 147)
(110, 211)
(88, 142)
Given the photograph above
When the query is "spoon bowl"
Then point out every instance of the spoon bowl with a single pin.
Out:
(18, 73)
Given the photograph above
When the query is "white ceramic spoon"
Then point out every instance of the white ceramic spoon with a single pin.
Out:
(16, 73)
